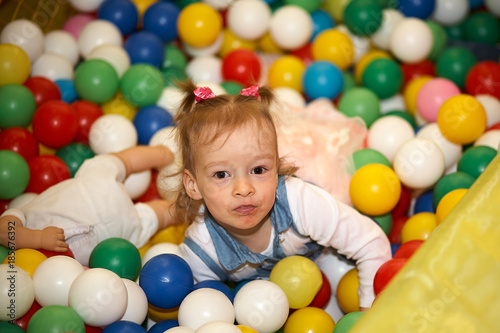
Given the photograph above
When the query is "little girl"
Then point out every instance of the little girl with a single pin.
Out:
(94, 205)
(248, 210)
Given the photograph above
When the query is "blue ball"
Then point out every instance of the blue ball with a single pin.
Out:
(145, 47)
(161, 19)
(218, 285)
(474, 4)
(394, 248)
(424, 203)
(322, 79)
(163, 325)
(149, 120)
(122, 13)
(321, 21)
(421, 9)
(124, 326)
(166, 280)
(67, 89)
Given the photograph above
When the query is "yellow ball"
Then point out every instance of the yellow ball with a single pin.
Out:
(143, 5)
(246, 329)
(267, 44)
(232, 42)
(199, 24)
(336, 8)
(158, 314)
(118, 105)
(375, 189)
(418, 226)
(310, 319)
(347, 291)
(15, 64)
(300, 279)
(335, 46)
(462, 119)
(365, 60)
(411, 91)
(447, 203)
(27, 259)
(286, 71)
(173, 234)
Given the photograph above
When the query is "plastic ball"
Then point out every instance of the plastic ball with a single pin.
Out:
(386, 273)
(490, 138)
(149, 120)
(484, 78)
(15, 306)
(137, 183)
(375, 189)
(121, 13)
(491, 105)
(482, 28)
(348, 321)
(455, 63)
(448, 202)
(309, 319)
(114, 55)
(363, 17)
(217, 285)
(68, 91)
(159, 248)
(62, 43)
(163, 326)
(14, 174)
(492, 6)
(475, 159)
(407, 249)
(248, 19)
(262, 305)
(347, 291)
(462, 119)
(415, 8)
(55, 124)
(141, 85)
(53, 278)
(424, 203)
(52, 66)
(384, 77)
(117, 255)
(321, 21)
(199, 24)
(56, 318)
(291, 27)
(76, 23)
(208, 68)
(286, 71)
(450, 12)
(43, 89)
(323, 295)
(124, 326)
(87, 6)
(362, 157)
(218, 327)
(322, 79)
(18, 105)
(14, 64)
(335, 46)
(432, 95)
(145, 47)
(25, 34)
(8, 327)
(19, 140)
(411, 90)
(96, 81)
(166, 279)
(96, 33)
(361, 102)
(242, 66)
(119, 106)
(161, 19)
(46, 171)
(411, 40)
(27, 259)
(418, 226)
(381, 37)
(137, 303)
(86, 113)
(112, 133)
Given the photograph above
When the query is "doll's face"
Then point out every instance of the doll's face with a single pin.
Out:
(236, 177)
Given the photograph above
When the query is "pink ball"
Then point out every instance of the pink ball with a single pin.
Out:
(75, 24)
(432, 95)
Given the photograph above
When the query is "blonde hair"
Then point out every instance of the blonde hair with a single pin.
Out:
(201, 123)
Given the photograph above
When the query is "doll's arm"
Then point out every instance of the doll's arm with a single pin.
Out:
(164, 210)
(13, 234)
(141, 158)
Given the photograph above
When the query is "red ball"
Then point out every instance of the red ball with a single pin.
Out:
(403, 204)
(411, 71)
(25, 319)
(242, 66)
(397, 225)
(4, 205)
(86, 113)
(43, 89)
(386, 273)
(152, 191)
(19, 140)
(484, 78)
(45, 171)
(323, 296)
(92, 329)
(407, 249)
(304, 53)
(495, 126)
(55, 124)
(49, 254)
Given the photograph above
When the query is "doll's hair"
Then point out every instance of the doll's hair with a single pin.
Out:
(200, 122)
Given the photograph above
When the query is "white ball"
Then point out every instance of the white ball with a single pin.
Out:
(86, 6)
(211, 49)
(111, 133)
(219, 4)
(419, 163)
(381, 37)
(492, 107)
(218, 327)
(158, 249)
(489, 138)
(249, 19)
(396, 102)
(15, 305)
(262, 305)
(53, 67)
(99, 296)
(63, 43)
(450, 12)
(137, 303)
(411, 41)
(493, 6)
(25, 34)
(451, 151)
(388, 133)
(291, 27)
(361, 44)
(180, 329)
(96, 33)
(205, 68)
(115, 55)
(22, 200)
(204, 305)
(138, 183)
(290, 96)
(52, 279)
(171, 99)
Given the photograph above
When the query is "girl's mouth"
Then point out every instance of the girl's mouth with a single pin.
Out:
(245, 210)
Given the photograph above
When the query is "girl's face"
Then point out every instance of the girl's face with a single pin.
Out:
(237, 178)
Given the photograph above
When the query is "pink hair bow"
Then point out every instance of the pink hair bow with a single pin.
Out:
(202, 93)
(251, 91)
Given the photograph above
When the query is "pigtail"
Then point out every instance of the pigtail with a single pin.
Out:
(189, 101)
(266, 96)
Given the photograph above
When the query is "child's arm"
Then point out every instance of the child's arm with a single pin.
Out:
(141, 158)
(13, 234)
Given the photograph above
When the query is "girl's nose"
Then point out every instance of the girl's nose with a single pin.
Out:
(243, 187)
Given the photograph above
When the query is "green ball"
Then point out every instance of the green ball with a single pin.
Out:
(96, 81)
(4, 252)
(14, 174)
(117, 255)
(385, 222)
(455, 63)
(475, 159)
(174, 57)
(360, 102)
(232, 87)
(440, 38)
(142, 85)
(74, 155)
(384, 77)
(172, 75)
(17, 106)
(348, 321)
(7, 327)
(403, 114)
(366, 156)
(308, 5)
(482, 27)
(450, 182)
(349, 81)
(363, 17)
(456, 32)
(56, 318)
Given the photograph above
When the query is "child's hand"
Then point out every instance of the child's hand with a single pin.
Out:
(53, 239)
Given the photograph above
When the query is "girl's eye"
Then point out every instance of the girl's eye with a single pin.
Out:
(220, 174)
(259, 170)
